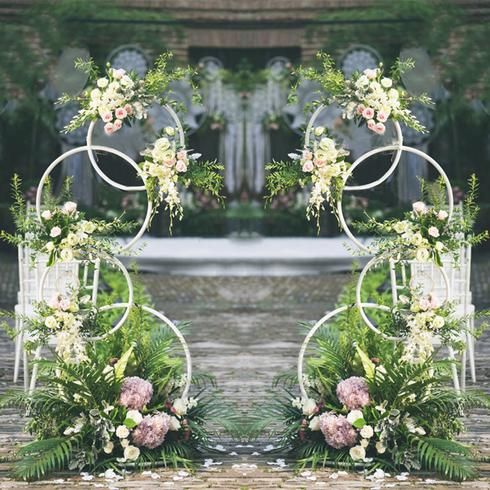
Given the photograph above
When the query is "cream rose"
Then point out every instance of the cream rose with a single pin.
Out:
(367, 432)
(46, 215)
(131, 453)
(357, 453)
(122, 432)
(314, 423)
(135, 416)
(174, 424)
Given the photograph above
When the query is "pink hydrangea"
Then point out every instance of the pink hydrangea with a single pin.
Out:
(337, 430)
(135, 393)
(353, 392)
(151, 431)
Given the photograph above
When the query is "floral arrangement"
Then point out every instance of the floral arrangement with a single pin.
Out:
(68, 317)
(419, 318)
(371, 98)
(168, 165)
(120, 407)
(320, 164)
(373, 409)
(426, 233)
(118, 97)
(63, 234)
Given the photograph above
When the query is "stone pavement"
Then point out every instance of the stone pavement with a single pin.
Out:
(244, 331)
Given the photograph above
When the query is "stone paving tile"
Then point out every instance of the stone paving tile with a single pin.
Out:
(244, 331)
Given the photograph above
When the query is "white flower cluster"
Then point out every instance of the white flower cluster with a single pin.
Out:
(115, 99)
(65, 321)
(78, 233)
(163, 162)
(326, 164)
(374, 100)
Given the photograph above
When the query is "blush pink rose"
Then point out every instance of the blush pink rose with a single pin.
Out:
(119, 73)
(320, 163)
(360, 109)
(107, 116)
(129, 109)
(308, 166)
(121, 113)
(382, 116)
(307, 155)
(180, 166)
(55, 231)
(117, 125)
(181, 155)
(419, 207)
(433, 231)
(380, 128)
(109, 128)
(368, 113)
(371, 124)
(169, 163)
(370, 73)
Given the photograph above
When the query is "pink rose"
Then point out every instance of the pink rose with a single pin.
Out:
(55, 231)
(424, 304)
(129, 109)
(370, 73)
(121, 113)
(180, 166)
(360, 109)
(307, 155)
(380, 128)
(434, 302)
(117, 125)
(119, 73)
(368, 113)
(308, 166)
(319, 162)
(169, 163)
(382, 116)
(434, 232)
(371, 124)
(109, 128)
(107, 116)
(181, 155)
(419, 207)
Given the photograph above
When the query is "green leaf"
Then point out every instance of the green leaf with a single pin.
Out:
(121, 364)
(359, 423)
(130, 423)
(367, 364)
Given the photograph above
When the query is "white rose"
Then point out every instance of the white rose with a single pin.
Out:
(419, 207)
(108, 448)
(122, 432)
(174, 424)
(131, 453)
(367, 432)
(124, 442)
(102, 82)
(309, 406)
(314, 423)
(180, 406)
(69, 207)
(169, 130)
(442, 215)
(357, 453)
(88, 227)
(364, 443)
(386, 82)
(354, 415)
(439, 246)
(438, 322)
(46, 214)
(51, 322)
(422, 255)
(135, 416)
(319, 130)
(380, 447)
(66, 255)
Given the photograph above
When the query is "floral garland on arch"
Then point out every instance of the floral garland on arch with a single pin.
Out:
(372, 97)
(168, 166)
(64, 233)
(321, 164)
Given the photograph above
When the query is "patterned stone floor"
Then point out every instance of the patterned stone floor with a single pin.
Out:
(244, 331)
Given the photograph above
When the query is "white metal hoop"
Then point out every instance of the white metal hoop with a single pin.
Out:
(177, 333)
(398, 149)
(312, 332)
(373, 262)
(61, 158)
(105, 177)
(120, 323)
(416, 151)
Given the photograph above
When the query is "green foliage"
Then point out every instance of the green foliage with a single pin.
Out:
(206, 176)
(284, 176)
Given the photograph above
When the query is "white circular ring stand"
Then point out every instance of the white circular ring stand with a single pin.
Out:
(360, 305)
(314, 329)
(116, 262)
(103, 175)
(175, 330)
(108, 149)
(416, 151)
(397, 148)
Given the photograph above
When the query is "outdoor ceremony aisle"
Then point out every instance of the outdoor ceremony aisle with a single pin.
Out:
(244, 332)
